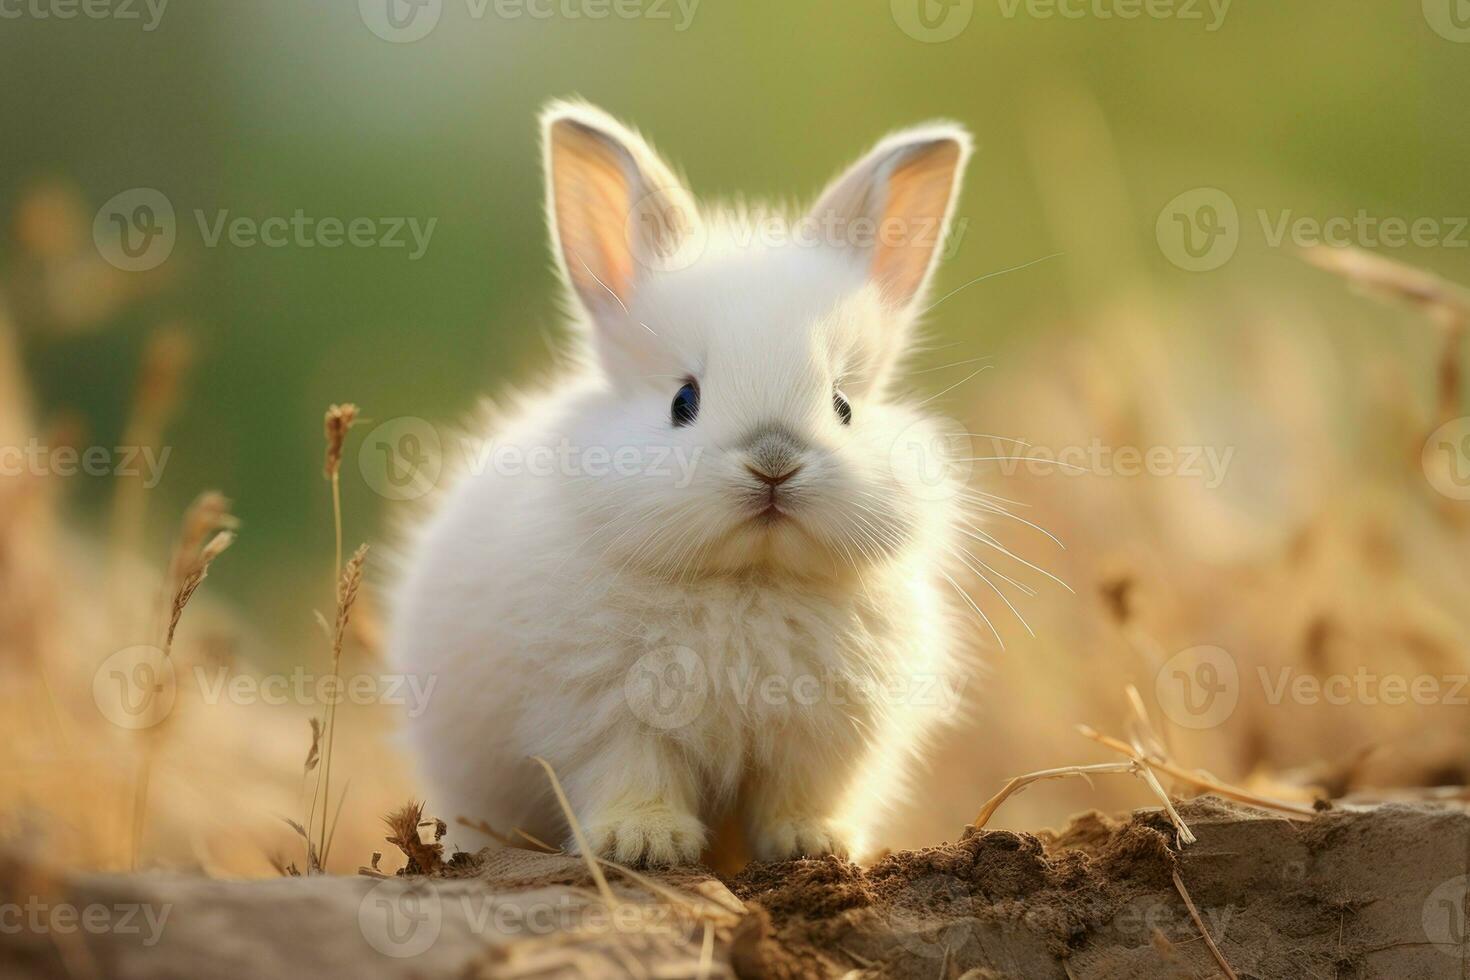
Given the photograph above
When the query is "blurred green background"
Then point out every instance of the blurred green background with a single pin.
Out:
(269, 107)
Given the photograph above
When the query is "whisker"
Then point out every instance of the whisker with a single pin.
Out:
(992, 275)
(966, 596)
(1021, 459)
(986, 539)
(996, 589)
(952, 387)
(953, 364)
(991, 509)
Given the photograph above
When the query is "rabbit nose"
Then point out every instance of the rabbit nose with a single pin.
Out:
(774, 456)
(773, 479)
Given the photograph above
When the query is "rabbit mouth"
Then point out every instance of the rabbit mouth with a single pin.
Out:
(772, 507)
(771, 513)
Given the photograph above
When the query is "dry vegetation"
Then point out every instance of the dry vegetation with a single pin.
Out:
(1327, 552)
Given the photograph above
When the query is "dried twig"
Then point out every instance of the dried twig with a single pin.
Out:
(347, 589)
(485, 828)
(1387, 279)
(1131, 768)
(404, 824)
(1195, 779)
(1200, 925)
(200, 542)
(338, 421)
(1018, 783)
(1445, 303)
(208, 529)
(577, 835)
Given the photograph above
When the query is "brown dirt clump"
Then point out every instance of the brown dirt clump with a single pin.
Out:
(1098, 899)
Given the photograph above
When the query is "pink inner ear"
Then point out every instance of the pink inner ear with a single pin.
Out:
(592, 196)
(912, 225)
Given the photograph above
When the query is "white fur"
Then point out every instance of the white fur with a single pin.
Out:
(552, 608)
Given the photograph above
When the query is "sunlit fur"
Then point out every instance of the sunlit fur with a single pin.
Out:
(533, 597)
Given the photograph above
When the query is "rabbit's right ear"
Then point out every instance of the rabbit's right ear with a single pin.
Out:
(617, 211)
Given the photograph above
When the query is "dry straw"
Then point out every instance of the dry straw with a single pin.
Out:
(339, 419)
(348, 586)
(208, 529)
(347, 582)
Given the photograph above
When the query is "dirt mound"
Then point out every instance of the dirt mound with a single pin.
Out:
(1355, 893)
(1376, 893)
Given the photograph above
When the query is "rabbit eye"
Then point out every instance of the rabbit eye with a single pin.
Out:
(686, 405)
(844, 410)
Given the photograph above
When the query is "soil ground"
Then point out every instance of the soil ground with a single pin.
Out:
(1356, 893)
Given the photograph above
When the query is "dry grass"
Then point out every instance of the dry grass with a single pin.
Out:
(1330, 553)
(208, 529)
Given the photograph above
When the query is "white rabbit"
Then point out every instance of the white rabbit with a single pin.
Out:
(702, 572)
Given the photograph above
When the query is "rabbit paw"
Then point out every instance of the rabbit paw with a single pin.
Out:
(650, 834)
(786, 838)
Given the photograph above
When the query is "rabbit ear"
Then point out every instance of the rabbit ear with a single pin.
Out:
(617, 211)
(893, 207)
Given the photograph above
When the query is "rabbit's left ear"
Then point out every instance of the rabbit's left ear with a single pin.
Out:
(892, 209)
